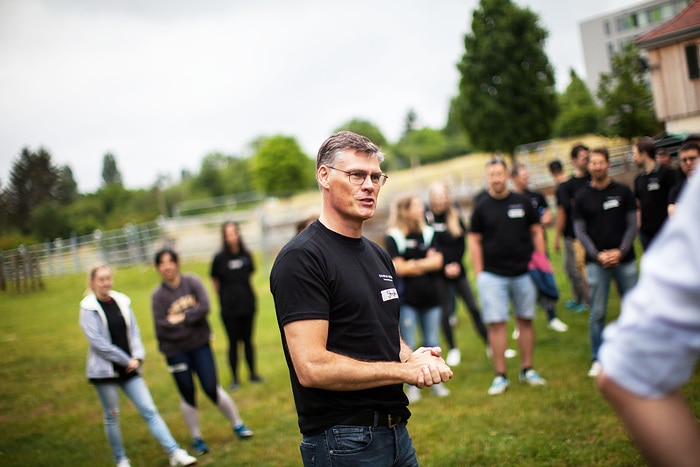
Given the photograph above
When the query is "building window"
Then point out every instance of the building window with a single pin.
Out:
(691, 58)
(606, 27)
(611, 50)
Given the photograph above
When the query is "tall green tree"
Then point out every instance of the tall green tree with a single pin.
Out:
(409, 121)
(110, 172)
(578, 112)
(280, 167)
(33, 180)
(67, 189)
(507, 95)
(458, 143)
(210, 179)
(628, 107)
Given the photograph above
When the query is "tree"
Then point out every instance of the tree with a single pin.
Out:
(507, 95)
(33, 180)
(280, 167)
(210, 178)
(578, 113)
(110, 172)
(423, 146)
(457, 139)
(628, 108)
(409, 121)
(67, 188)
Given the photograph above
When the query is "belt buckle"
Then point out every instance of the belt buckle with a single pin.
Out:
(393, 420)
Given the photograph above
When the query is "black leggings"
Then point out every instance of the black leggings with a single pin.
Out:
(183, 366)
(240, 328)
(448, 289)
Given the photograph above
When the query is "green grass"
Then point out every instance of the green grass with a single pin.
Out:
(50, 415)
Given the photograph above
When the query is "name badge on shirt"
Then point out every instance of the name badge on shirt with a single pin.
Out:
(611, 204)
(235, 264)
(516, 212)
(389, 294)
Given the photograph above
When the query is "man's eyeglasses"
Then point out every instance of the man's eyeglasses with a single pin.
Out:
(688, 160)
(358, 178)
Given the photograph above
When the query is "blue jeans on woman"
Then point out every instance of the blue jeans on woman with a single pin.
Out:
(429, 319)
(599, 278)
(185, 365)
(349, 446)
(135, 388)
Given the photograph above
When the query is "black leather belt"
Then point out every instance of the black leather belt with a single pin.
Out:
(373, 419)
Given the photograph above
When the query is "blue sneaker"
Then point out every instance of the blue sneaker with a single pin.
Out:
(199, 446)
(499, 385)
(580, 308)
(242, 431)
(570, 304)
(532, 378)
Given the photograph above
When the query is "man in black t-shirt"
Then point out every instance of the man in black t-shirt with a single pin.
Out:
(574, 264)
(338, 312)
(605, 221)
(688, 155)
(505, 229)
(651, 188)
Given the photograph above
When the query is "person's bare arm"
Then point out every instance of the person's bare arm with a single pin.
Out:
(475, 252)
(537, 236)
(317, 367)
(665, 430)
(559, 226)
(216, 284)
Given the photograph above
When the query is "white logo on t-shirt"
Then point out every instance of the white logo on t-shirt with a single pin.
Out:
(611, 204)
(390, 294)
(653, 185)
(516, 212)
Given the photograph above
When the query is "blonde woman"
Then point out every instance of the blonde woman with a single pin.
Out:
(411, 243)
(115, 356)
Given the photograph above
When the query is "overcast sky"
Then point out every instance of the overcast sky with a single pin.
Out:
(162, 83)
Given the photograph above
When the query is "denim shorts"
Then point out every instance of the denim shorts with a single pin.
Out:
(496, 292)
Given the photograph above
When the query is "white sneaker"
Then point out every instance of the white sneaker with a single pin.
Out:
(180, 457)
(439, 390)
(595, 370)
(124, 463)
(413, 394)
(555, 324)
(516, 333)
(453, 357)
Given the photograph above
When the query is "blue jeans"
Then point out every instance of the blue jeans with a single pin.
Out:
(183, 366)
(135, 388)
(429, 319)
(496, 292)
(599, 278)
(344, 445)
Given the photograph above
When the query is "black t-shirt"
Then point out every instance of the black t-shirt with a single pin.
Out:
(675, 191)
(565, 199)
(652, 191)
(605, 213)
(418, 291)
(118, 334)
(452, 248)
(349, 282)
(504, 225)
(236, 295)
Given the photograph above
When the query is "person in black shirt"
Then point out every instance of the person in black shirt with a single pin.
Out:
(651, 188)
(231, 271)
(688, 160)
(574, 263)
(605, 220)
(115, 356)
(337, 307)
(505, 229)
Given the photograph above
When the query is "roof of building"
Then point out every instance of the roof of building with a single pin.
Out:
(685, 25)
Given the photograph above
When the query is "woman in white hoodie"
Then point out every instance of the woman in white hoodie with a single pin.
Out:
(115, 354)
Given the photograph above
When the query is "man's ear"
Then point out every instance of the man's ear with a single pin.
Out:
(322, 176)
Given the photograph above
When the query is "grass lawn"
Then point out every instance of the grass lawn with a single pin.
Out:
(50, 415)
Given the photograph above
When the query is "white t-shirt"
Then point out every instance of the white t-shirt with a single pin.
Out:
(653, 347)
